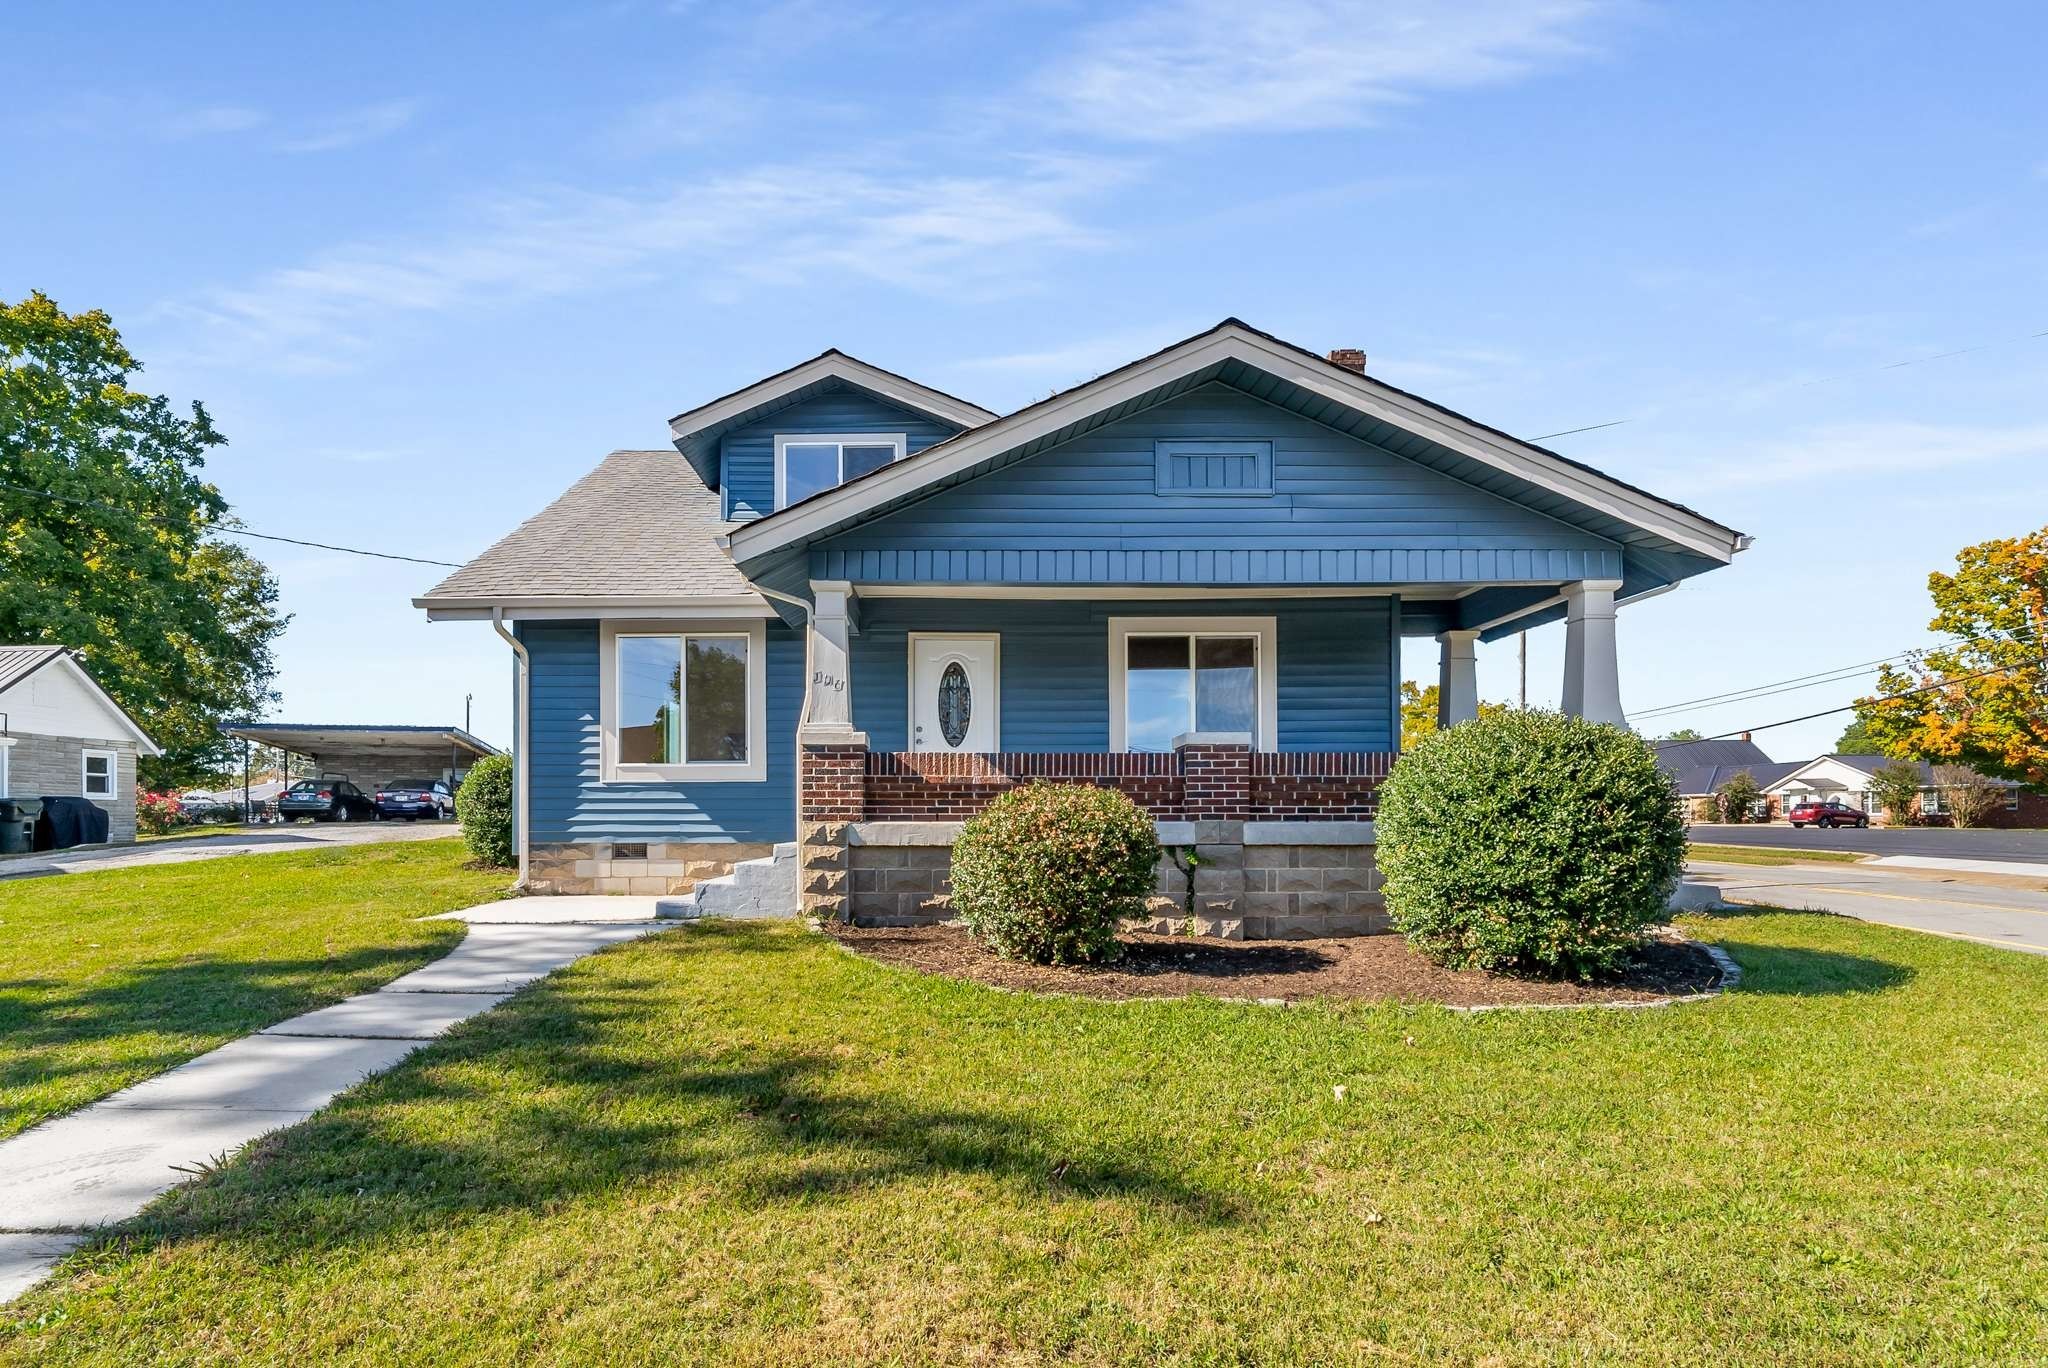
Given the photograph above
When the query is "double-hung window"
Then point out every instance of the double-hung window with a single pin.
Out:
(686, 703)
(811, 463)
(1173, 676)
(99, 774)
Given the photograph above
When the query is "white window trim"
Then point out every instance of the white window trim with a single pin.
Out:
(785, 440)
(1266, 673)
(113, 759)
(751, 771)
(6, 746)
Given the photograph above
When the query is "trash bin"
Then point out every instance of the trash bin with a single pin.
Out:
(18, 825)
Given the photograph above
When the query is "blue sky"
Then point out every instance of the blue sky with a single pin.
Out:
(427, 264)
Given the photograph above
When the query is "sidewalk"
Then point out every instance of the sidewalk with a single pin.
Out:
(104, 1163)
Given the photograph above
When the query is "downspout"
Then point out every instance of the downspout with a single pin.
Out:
(803, 716)
(522, 667)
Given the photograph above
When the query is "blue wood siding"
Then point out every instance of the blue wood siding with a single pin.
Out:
(748, 453)
(1339, 661)
(570, 803)
(1342, 510)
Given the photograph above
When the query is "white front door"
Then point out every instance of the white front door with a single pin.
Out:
(953, 692)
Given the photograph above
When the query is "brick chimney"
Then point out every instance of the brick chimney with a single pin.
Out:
(1745, 736)
(1350, 358)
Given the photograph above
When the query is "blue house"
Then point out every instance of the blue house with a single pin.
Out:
(846, 609)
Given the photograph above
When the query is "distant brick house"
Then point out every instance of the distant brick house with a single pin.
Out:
(1848, 779)
(62, 736)
(1700, 768)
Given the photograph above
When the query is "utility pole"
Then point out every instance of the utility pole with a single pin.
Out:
(1522, 638)
(465, 710)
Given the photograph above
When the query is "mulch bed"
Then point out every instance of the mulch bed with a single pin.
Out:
(1364, 967)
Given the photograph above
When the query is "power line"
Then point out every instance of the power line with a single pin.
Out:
(1888, 698)
(1817, 380)
(231, 531)
(1815, 680)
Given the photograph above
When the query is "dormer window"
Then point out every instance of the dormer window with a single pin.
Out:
(811, 463)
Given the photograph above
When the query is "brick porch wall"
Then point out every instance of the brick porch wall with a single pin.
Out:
(1196, 783)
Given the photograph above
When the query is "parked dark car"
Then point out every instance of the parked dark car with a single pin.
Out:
(326, 800)
(1827, 815)
(413, 799)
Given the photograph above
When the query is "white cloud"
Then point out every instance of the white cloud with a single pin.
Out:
(1856, 450)
(354, 126)
(956, 234)
(208, 121)
(1188, 68)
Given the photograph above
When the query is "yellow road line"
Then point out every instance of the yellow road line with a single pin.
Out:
(1957, 935)
(1907, 897)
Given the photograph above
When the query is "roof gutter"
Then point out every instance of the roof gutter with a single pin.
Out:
(803, 717)
(523, 668)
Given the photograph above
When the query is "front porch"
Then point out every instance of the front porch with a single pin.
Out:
(1289, 722)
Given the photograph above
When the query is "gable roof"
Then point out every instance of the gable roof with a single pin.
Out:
(17, 663)
(698, 430)
(1680, 540)
(637, 530)
(1869, 765)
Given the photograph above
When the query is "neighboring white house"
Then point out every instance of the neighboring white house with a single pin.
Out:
(1848, 778)
(61, 736)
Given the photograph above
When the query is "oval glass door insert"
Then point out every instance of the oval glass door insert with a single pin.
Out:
(956, 703)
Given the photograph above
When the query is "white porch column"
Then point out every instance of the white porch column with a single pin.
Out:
(1592, 678)
(1457, 680)
(828, 699)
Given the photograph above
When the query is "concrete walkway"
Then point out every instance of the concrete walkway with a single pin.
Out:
(257, 840)
(103, 1164)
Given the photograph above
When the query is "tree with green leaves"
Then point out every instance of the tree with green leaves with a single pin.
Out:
(1418, 711)
(1738, 795)
(1982, 702)
(1857, 740)
(110, 540)
(1896, 786)
(1684, 734)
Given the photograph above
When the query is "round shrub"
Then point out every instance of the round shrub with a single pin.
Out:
(484, 807)
(1047, 872)
(1529, 842)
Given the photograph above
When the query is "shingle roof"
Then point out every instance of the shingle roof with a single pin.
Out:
(641, 525)
(1675, 757)
(1696, 781)
(19, 662)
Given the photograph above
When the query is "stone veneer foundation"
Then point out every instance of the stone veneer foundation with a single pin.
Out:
(668, 867)
(1252, 880)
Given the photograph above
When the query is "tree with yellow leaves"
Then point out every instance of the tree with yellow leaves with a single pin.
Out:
(1982, 702)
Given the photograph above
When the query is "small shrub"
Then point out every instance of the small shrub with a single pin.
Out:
(1048, 871)
(1738, 796)
(157, 813)
(1530, 842)
(1896, 787)
(484, 807)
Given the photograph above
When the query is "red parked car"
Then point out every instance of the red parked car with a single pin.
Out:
(1827, 815)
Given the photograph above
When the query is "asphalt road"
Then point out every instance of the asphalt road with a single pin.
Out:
(261, 840)
(1976, 844)
(1923, 900)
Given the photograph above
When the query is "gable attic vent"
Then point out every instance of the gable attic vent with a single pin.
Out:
(1350, 358)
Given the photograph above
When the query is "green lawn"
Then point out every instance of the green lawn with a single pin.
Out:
(109, 977)
(738, 1144)
(1766, 855)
